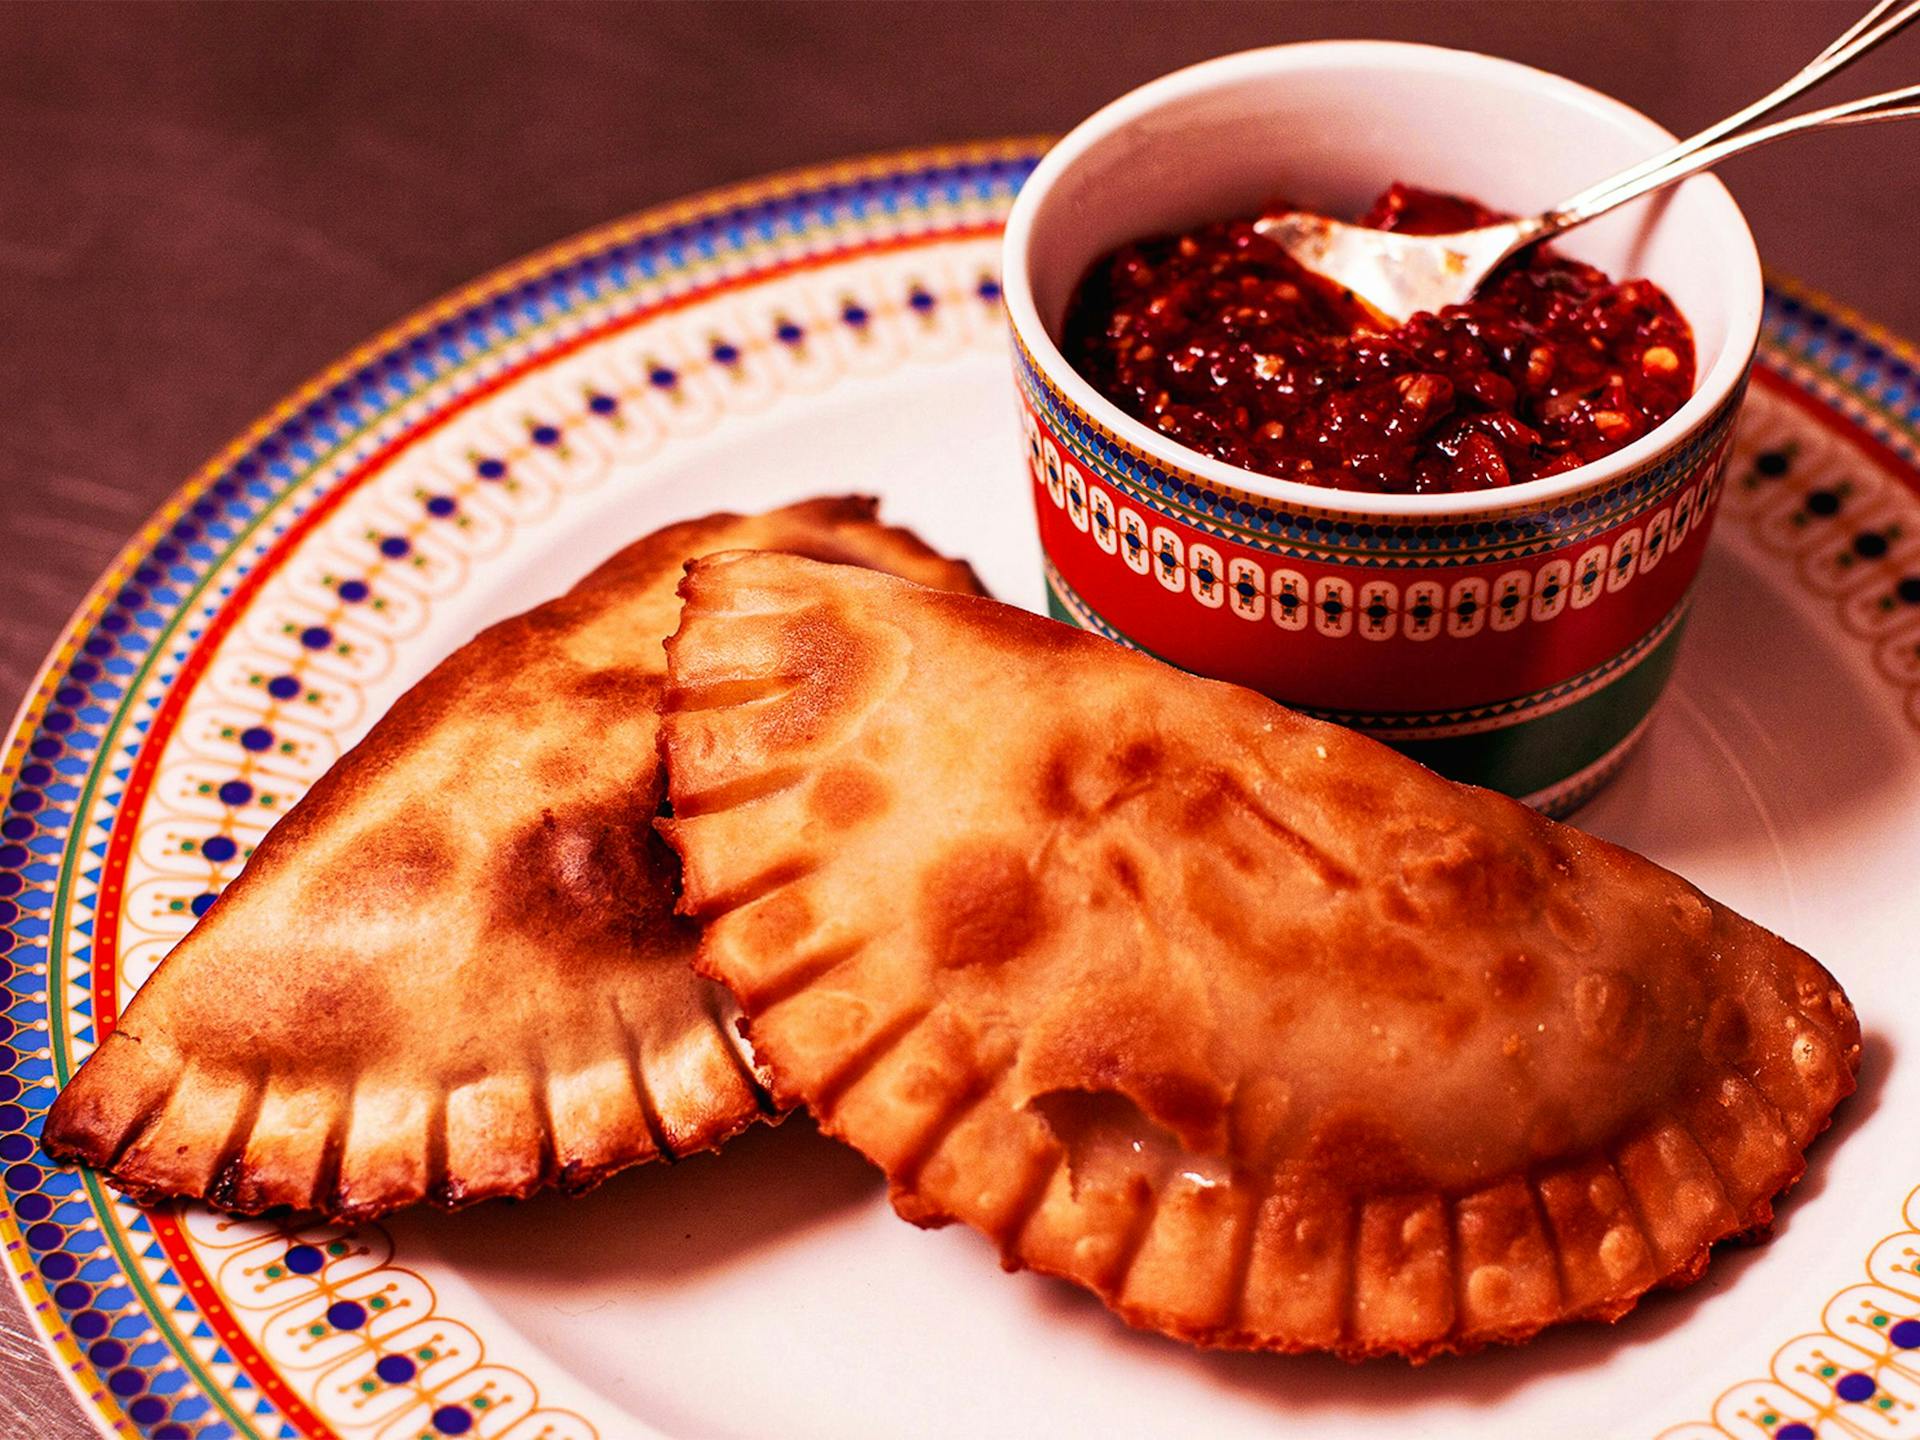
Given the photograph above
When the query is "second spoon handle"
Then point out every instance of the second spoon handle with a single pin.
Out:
(1886, 19)
(1892, 105)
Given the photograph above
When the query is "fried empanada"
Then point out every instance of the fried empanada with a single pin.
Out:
(1259, 1030)
(453, 970)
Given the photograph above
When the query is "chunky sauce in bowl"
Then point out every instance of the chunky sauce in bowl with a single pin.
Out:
(1221, 341)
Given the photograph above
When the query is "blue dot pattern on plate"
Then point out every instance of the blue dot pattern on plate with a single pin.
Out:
(304, 1260)
(394, 1369)
(1855, 1386)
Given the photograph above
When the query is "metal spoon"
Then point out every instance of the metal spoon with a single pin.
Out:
(1399, 275)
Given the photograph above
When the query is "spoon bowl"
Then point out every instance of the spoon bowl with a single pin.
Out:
(1396, 276)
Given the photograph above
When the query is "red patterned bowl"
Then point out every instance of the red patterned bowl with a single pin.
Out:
(1516, 638)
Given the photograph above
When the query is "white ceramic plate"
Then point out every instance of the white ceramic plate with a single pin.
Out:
(829, 331)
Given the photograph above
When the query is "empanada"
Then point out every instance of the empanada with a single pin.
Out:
(1264, 1033)
(453, 971)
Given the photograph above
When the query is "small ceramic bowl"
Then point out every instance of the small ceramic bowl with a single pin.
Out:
(1515, 638)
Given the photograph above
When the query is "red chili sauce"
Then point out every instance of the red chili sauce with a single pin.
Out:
(1223, 342)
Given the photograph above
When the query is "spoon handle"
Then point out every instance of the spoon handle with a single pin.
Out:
(1892, 105)
(1880, 24)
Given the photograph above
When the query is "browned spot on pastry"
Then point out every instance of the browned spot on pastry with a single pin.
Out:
(560, 768)
(837, 662)
(1452, 1023)
(1125, 873)
(1397, 966)
(627, 688)
(1213, 797)
(979, 905)
(1354, 792)
(1728, 1034)
(1511, 979)
(1056, 795)
(384, 865)
(1608, 1012)
(1138, 760)
(1360, 1155)
(1070, 772)
(846, 795)
(594, 870)
(1455, 874)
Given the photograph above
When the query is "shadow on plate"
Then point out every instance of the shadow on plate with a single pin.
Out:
(1769, 725)
(769, 1185)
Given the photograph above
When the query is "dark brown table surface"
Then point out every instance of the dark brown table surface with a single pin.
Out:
(202, 205)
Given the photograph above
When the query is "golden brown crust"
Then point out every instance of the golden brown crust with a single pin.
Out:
(453, 970)
(1262, 1032)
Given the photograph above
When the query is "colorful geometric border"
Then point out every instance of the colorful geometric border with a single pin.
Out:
(1068, 604)
(1585, 720)
(85, 1296)
(1308, 533)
